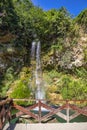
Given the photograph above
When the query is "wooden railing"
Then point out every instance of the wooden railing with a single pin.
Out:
(77, 106)
(5, 112)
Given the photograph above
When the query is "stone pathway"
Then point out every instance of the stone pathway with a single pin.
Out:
(54, 126)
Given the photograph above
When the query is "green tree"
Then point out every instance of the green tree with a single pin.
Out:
(9, 19)
(81, 19)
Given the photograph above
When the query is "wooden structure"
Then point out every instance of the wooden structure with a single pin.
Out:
(40, 106)
(5, 112)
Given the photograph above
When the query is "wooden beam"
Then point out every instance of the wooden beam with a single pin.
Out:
(5, 101)
(67, 111)
(74, 115)
(25, 111)
(63, 116)
(79, 110)
(54, 111)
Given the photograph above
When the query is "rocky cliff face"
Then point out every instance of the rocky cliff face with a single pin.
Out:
(71, 56)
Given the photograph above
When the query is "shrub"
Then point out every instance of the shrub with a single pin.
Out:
(20, 91)
(74, 88)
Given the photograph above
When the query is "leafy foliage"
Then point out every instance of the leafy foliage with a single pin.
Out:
(82, 19)
(66, 86)
(8, 79)
(21, 91)
(20, 86)
(73, 89)
(9, 18)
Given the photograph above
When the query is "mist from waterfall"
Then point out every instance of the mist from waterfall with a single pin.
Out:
(37, 78)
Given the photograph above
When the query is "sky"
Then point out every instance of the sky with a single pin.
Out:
(73, 6)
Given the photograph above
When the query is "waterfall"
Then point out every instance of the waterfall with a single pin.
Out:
(37, 71)
(33, 50)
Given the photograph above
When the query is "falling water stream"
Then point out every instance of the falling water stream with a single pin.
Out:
(37, 71)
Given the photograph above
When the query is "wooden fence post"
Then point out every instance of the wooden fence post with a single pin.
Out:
(39, 111)
(67, 111)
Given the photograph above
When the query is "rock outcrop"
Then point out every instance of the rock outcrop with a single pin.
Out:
(72, 56)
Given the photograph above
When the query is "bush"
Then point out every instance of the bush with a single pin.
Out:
(74, 88)
(20, 91)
